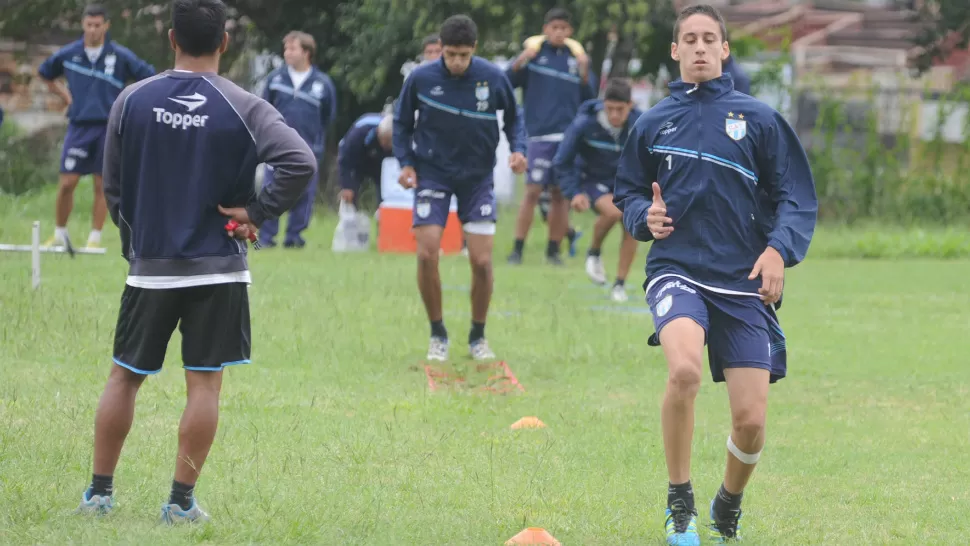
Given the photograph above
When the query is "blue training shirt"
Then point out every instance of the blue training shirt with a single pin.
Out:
(310, 109)
(360, 154)
(552, 91)
(94, 86)
(455, 137)
(178, 146)
(589, 151)
(735, 180)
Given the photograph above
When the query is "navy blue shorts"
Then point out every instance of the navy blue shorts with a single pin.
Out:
(83, 151)
(741, 331)
(539, 156)
(595, 190)
(432, 201)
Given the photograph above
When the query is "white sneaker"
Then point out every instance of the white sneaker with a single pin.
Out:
(173, 514)
(481, 351)
(595, 270)
(618, 293)
(438, 349)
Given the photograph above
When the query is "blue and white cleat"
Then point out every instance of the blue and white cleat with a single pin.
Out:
(173, 514)
(94, 504)
(572, 243)
(726, 530)
(681, 526)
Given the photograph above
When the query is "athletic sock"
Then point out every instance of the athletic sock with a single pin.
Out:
(60, 233)
(594, 252)
(619, 282)
(726, 503)
(181, 495)
(519, 246)
(553, 248)
(94, 237)
(683, 492)
(477, 332)
(571, 234)
(438, 329)
(101, 486)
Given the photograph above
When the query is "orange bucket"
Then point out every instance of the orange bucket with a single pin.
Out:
(395, 233)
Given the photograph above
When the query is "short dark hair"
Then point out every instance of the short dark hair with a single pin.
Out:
(95, 10)
(429, 40)
(199, 25)
(459, 30)
(700, 9)
(558, 14)
(619, 90)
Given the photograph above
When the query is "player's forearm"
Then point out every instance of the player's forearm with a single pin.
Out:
(520, 61)
(55, 87)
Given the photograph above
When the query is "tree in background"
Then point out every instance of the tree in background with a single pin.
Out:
(946, 27)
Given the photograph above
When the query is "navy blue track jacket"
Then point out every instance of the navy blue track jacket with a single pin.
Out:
(360, 154)
(456, 134)
(310, 109)
(552, 90)
(179, 145)
(735, 180)
(94, 87)
(589, 152)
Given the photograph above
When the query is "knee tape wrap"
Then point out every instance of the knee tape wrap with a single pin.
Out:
(480, 228)
(746, 458)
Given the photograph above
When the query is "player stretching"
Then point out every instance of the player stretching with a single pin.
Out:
(180, 147)
(451, 151)
(554, 82)
(722, 185)
(597, 136)
(96, 69)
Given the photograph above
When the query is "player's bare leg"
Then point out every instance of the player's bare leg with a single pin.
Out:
(748, 394)
(112, 422)
(197, 430)
(682, 340)
(523, 222)
(628, 252)
(99, 211)
(480, 258)
(607, 217)
(429, 283)
(63, 204)
(558, 224)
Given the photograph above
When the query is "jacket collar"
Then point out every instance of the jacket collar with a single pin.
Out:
(705, 91)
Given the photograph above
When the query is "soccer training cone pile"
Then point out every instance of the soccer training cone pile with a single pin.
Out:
(533, 535)
(528, 422)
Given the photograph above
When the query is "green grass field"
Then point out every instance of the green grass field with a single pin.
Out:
(332, 436)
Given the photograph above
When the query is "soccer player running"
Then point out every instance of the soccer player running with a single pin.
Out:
(719, 181)
(554, 82)
(96, 69)
(451, 151)
(307, 99)
(180, 159)
(596, 137)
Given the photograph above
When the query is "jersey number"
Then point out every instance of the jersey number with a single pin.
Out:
(670, 162)
(482, 105)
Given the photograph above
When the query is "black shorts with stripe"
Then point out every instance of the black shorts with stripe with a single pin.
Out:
(213, 320)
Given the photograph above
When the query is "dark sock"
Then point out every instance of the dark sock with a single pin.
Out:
(595, 252)
(477, 333)
(726, 502)
(519, 245)
(181, 495)
(683, 492)
(619, 282)
(438, 329)
(553, 248)
(101, 485)
(571, 234)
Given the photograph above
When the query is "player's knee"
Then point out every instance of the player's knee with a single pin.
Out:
(685, 376)
(532, 193)
(748, 424)
(427, 255)
(481, 263)
(613, 214)
(67, 183)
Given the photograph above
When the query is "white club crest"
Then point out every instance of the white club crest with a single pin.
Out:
(423, 210)
(663, 307)
(736, 128)
(481, 91)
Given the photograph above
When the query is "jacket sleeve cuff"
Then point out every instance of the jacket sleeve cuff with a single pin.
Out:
(256, 215)
(775, 244)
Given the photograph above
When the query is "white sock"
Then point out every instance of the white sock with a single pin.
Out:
(94, 237)
(60, 234)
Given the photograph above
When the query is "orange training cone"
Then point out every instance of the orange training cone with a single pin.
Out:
(534, 535)
(528, 422)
